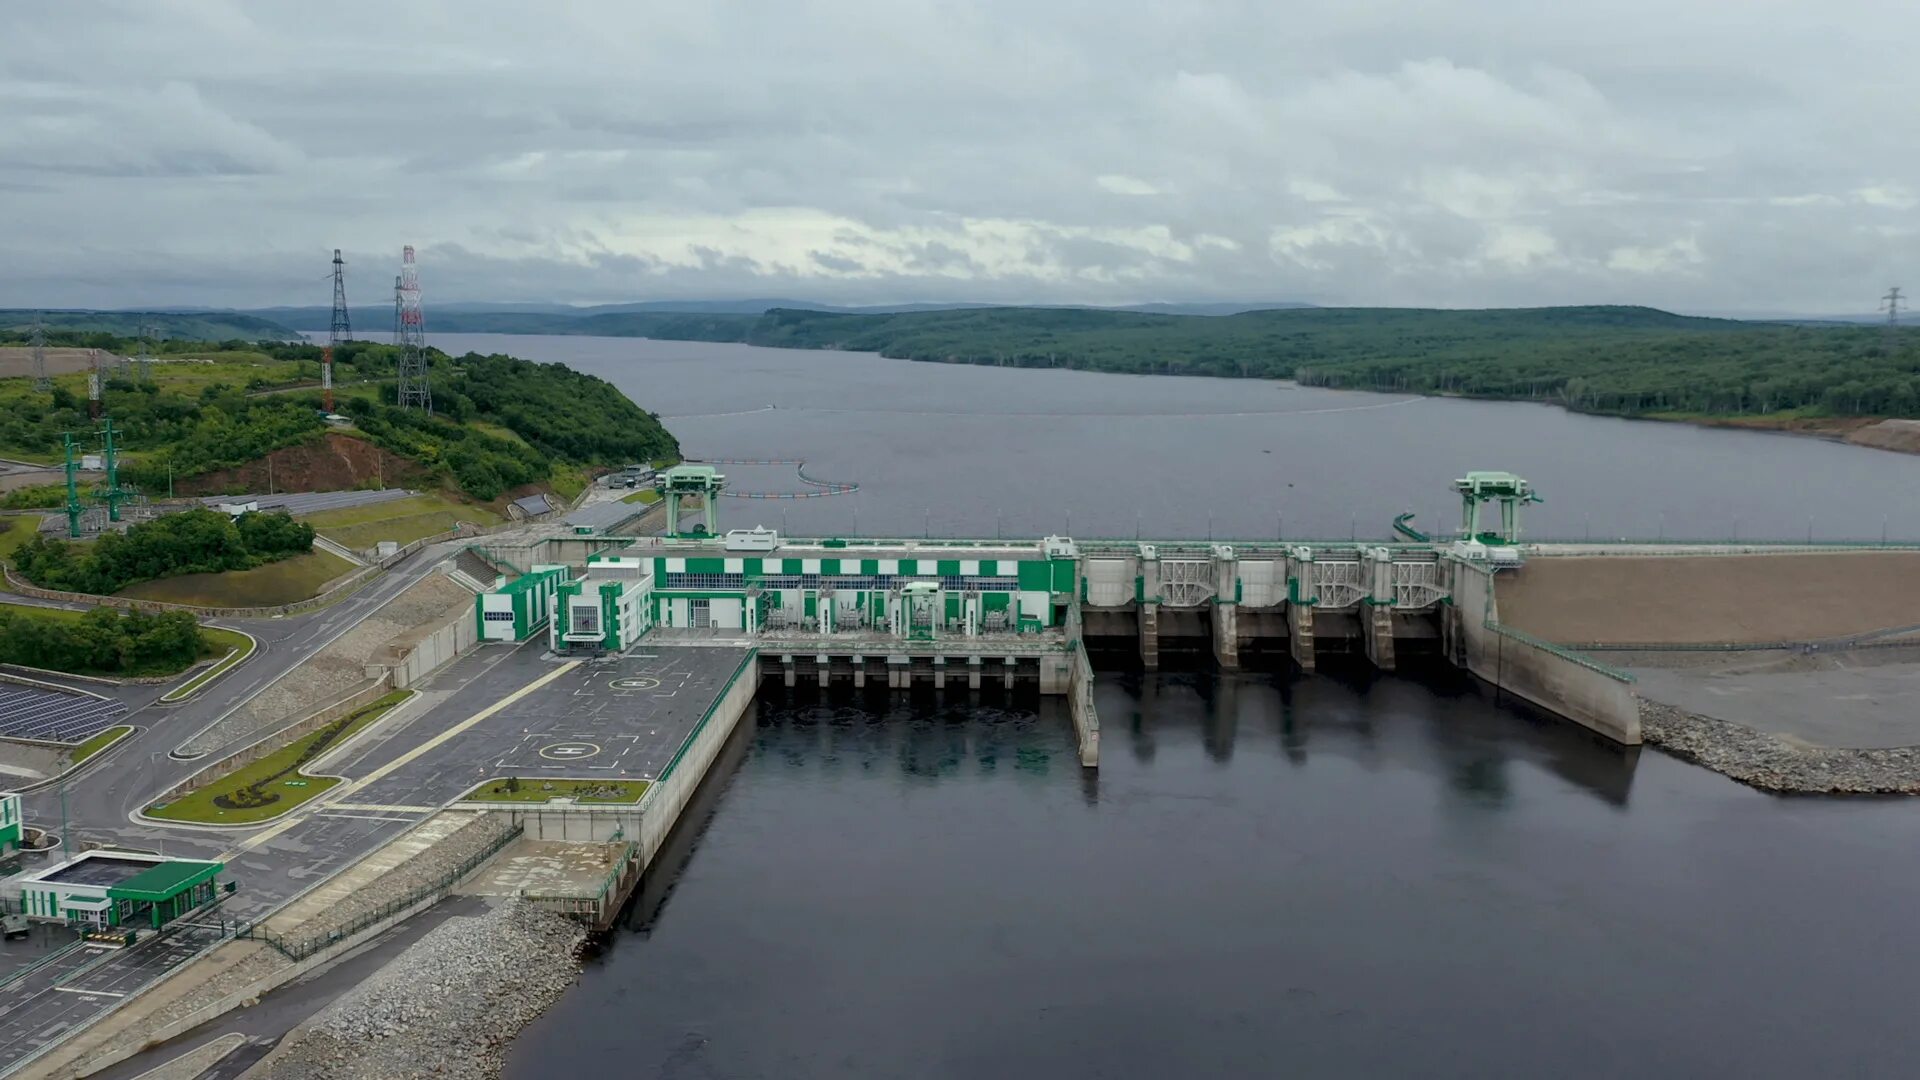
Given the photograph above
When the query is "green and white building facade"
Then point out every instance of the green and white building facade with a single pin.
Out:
(13, 827)
(117, 890)
(905, 590)
(520, 608)
(606, 610)
(918, 591)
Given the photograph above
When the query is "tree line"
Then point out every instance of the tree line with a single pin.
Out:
(1606, 359)
(102, 642)
(555, 415)
(192, 542)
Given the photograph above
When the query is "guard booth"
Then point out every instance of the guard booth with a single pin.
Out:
(104, 889)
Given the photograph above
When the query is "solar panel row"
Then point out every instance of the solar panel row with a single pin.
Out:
(26, 713)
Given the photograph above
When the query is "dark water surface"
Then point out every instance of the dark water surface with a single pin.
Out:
(1316, 877)
(951, 449)
(1336, 875)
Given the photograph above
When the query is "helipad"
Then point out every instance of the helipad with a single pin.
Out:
(618, 719)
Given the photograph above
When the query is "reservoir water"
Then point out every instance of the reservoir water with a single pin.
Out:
(952, 449)
(1338, 875)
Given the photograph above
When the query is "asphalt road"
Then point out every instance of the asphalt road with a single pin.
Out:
(100, 800)
(481, 717)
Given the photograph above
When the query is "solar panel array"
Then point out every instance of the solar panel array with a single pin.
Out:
(27, 713)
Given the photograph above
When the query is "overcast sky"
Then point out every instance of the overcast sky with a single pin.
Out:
(1704, 155)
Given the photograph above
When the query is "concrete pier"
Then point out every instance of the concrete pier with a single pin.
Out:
(1226, 608)
(1562, 682)
(1149, 608)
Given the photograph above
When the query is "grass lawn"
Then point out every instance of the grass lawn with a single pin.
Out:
(15, 530)
(283, 582)
(100, 742)
(498, 431)
(401, 520)
(568, 481)
(235, 647)
(276, 774)
(644, 495)
(539, 789)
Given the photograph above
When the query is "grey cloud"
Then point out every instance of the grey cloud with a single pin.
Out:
(1684, 153)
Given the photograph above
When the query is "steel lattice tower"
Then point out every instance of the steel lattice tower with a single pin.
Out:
(338, 332)
(414, 390)
(1891, 304)
(40, 379)
(143, 364)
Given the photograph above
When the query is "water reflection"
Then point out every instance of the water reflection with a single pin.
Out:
(1339, 875)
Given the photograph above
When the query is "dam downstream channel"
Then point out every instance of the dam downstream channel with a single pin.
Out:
(1332, 875)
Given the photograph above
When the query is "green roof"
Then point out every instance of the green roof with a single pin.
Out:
(528, 581)
(165, 880)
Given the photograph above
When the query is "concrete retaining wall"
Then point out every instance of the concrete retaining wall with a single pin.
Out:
(1584, 692)
(662, 804)
(421, 655)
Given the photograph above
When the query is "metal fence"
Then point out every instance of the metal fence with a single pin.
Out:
(297, 949)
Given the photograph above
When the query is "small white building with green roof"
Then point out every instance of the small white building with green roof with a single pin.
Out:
(117, 889)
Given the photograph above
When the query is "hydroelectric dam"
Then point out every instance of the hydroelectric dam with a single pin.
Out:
(970, 613)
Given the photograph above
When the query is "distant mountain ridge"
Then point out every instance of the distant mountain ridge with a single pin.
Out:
(194, 325)
(529, 318)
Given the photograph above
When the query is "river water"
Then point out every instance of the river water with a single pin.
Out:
(1338, 875)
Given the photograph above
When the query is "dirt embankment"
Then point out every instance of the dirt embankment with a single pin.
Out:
(332, 462)
(1901, 435)
(1710, 599)
(16, 361)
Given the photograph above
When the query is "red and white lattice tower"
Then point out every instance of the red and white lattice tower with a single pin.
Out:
(338, 332)
(96, 381)
(414, 391)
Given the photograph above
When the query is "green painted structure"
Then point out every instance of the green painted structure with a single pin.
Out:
(934, 593)
(119, 889)
(605, 611)
(521, 608)
(683, 482)
(13, 826)
(1504, 489)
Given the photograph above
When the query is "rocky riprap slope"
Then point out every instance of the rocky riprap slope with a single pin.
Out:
(447, 1007)
(1773, 763)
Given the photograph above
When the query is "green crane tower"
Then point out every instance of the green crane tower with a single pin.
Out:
(74, 507)
(115, 496)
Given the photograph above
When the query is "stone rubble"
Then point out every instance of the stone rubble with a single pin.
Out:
(242, 964)
(447, 1007)
(1777, 764)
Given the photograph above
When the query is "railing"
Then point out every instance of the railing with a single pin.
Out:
(752, 661)
(612, 889)
(1488, 621)
(298, 949)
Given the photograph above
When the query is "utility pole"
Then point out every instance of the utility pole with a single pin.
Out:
(1891, 304)
(40, 379)
(338, 332)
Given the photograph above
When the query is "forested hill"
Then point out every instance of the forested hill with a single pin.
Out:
(1629, 360)
(500, 424)
(191, 326)
(1623, 360)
